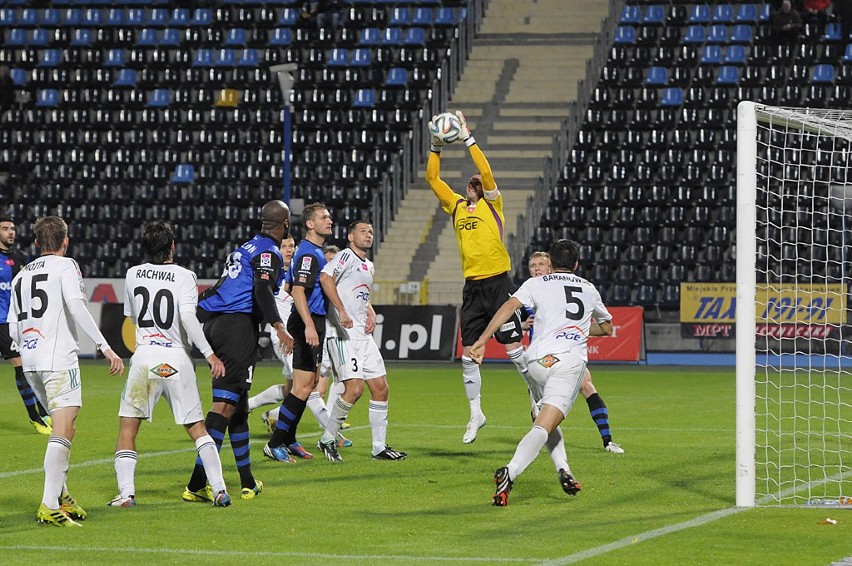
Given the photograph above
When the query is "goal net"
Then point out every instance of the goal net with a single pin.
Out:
(794, 362)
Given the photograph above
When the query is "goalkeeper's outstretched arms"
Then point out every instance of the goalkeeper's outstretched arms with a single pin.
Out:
(489, 185)
(442, 190)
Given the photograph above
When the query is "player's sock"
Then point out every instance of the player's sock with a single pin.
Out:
(378, 414)
(216, 425)
(527, 450)
(208, 453)
(338, 414)
(56, 459)
(27, 395)
(289, 416)
(517, 357)
(238, 432)
(125, 471)
(335, 390)
(268, 396)
(318, 408)
(600, 414)
(472, 384)
(556, 447)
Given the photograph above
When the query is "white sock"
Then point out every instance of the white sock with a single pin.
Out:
(318, 408)
(378, 414)
(338, 414)
(335, 390)
(56, 459)
(520, 361)
(272, 414)
(472, 384)
(211, 462)
(268, 396)
(556, 446)
(527, 450)
(125, 471)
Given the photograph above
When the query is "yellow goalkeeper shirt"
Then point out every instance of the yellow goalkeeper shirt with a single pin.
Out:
(479, 228)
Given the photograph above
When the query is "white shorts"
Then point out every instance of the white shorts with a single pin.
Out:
(156, 372)
(287, 360)
(555, 380)
(56, 389)
(355, 359)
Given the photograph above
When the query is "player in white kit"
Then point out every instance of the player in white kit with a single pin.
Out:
(565, 306)
(48, 297)
(160, 298)
(354, 355)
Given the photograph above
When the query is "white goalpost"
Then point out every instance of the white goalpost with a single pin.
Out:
(793, 358)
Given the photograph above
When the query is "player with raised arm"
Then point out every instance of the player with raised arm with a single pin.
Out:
(354, 355)
(565, 305)
(48, 299)
(235, 307)
(12, 259)
(307, 325)
(160, 298)
(478, 222)
(539, 265)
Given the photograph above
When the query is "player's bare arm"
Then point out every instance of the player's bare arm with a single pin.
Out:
(600, 328)
(370, 325)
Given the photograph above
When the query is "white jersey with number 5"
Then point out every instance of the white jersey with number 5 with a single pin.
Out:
(41, 293)
(564, 305)
(354, 279)
(156, 297)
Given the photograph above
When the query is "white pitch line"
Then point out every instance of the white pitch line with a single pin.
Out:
(263, 554)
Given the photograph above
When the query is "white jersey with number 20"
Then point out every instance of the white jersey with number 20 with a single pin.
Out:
(564, 305)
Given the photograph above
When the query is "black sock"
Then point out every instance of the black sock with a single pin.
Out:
(598, 410)
(238, 432)
(289, 416)
(216, 425)
(29, 398)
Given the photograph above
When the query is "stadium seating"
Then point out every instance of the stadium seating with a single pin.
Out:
(185, 98)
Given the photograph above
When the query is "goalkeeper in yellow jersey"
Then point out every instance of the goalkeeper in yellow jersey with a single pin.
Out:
(478, 222)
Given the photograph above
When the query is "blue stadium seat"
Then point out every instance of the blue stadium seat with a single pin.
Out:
(50, 17)
(397, 76)
(654, 14)
(72, 17)
(717, 33)
(93, 17)
(180, 17)
(695, 34)
(288, 17)
(833, 32)
(728, 75)
(822, 74)
(158, 17)
(16, 37)
(47, 97)
(184, 173)
(735, 55)
(115, 58)
(147, 37)
(50, 58)
(281, 37)
(203, 58)
(202, 17)
(445, 16)
(741, 33)
(115, 17)
(672, 96)
(422, 16)
(414, 36)
(392, 36)
(399, 16)
(225, 58)
(722, 14)
(339, 57)
(746, 13)
(19, 76)
(361, 57)
(630, 14)
(236, 37)
(625, 35)
(711, 55)
(171, 37)
(364, 98)
(125, 77)
(699, 14)
(160, 97)
(657, 76)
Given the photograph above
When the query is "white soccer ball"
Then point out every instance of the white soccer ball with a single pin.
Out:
(446, 127)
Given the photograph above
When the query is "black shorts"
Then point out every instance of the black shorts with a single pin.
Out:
(8, 348)
(306, 358)
(481, 298)
(233, 337)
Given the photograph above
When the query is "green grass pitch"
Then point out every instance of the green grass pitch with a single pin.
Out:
(668, 500)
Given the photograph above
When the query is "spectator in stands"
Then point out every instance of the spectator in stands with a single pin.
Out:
(786, 23)
(816, 13)
(7, 89)
(843, 12)
(327, 13)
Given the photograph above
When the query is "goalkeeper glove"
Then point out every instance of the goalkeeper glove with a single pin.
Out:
(437, 143)
(465, 136)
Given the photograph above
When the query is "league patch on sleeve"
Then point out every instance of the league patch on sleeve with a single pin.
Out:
(306, 263)
(266, 259)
